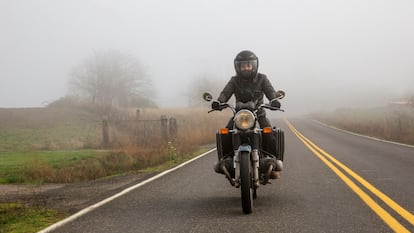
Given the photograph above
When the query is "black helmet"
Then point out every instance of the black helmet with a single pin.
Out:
(246, 57)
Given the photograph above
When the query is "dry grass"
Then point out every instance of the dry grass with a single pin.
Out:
(392, 123)
(88, 169)
(143, 143)
(194, 128)
(134, 145)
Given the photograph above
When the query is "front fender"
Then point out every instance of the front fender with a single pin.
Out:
(246, 148)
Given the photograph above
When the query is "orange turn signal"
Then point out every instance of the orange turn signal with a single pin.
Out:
(267, 129)
(224, 131)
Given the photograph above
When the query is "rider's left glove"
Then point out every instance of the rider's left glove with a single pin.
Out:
(275, 103)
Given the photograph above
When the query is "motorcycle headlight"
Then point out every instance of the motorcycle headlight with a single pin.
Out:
(244, 119)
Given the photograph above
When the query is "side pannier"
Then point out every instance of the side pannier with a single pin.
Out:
(224, 145)
(274, 143)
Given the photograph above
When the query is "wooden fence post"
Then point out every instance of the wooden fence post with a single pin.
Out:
(105, 132)
(173, 128)
(138, 114)
(164, 127)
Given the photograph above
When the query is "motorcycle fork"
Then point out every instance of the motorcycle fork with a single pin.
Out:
(255, 166)
(254, 158)
(236, 159)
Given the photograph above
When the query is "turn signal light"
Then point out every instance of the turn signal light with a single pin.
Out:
(267, 129)
(224, 131)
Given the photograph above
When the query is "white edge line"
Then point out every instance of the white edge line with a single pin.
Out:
(123, 192)
(361, 135)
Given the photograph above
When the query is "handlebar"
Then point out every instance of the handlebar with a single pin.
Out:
(226, 105)
(270, 107)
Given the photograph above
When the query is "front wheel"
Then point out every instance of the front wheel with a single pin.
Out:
(245, 183)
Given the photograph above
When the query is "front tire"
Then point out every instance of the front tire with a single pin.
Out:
(245, 183)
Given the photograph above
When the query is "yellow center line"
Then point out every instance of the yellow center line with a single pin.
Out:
(383, 214)
(392, 204)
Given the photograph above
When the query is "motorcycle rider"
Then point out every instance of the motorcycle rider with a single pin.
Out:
(248, 85)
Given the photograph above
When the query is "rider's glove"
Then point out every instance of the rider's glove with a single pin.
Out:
(215, 105)
(275, 103)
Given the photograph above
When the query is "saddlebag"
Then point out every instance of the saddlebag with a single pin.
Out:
(274, 143)
(224, 145)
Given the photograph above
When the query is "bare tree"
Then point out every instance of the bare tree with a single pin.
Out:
(111, 78)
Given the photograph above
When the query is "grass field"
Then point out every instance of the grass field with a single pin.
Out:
(394, 123)
(48, 129)
(20, 167)
(64, 145)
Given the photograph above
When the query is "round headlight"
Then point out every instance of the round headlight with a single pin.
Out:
(244, 119)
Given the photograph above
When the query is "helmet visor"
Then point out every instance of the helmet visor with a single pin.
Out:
(246, 65)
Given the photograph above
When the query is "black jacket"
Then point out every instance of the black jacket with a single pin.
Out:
(251, 90)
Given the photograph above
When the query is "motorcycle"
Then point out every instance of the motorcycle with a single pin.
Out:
(251, 160)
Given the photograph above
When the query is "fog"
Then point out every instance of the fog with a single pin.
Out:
(324, 53)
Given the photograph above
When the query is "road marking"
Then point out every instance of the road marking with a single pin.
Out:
(123, 192)
(383, 214)
(404, 213)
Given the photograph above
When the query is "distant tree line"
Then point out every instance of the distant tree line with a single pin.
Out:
(111, 79)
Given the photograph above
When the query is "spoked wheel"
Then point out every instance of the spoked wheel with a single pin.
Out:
(245, 183)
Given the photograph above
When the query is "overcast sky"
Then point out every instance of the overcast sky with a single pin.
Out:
(323, 53)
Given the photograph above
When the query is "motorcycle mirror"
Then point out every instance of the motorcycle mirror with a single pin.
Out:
(207, 96)
(280, 94)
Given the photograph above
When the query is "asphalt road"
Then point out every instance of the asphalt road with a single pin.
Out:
(373, 191)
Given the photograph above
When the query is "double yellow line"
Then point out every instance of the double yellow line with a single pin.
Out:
(333, 164)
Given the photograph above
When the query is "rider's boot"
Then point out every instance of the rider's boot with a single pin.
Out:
(275, 175)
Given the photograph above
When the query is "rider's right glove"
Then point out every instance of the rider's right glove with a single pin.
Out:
(215, 105)
(275, 103)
